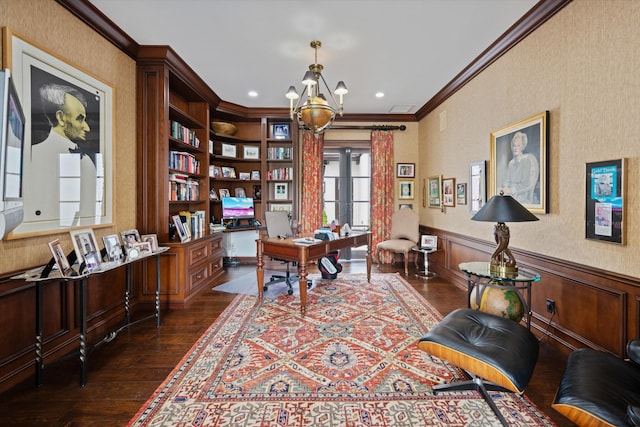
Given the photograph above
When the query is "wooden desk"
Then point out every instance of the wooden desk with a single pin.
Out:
(288, 250)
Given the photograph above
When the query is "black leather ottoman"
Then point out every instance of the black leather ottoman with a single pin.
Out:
(598, 388)
(489, 347)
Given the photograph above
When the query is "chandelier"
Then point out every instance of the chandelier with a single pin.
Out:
(315, 114)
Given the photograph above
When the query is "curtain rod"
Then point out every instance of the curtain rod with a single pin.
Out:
(371, 127)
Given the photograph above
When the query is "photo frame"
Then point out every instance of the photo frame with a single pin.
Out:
(112, 247)
(405, 205)
(516, 150)
(152, 239)
(434, 191)
(180, 231)
(448, 192)
(228, 172)
(228, 150)
(255, 175)
(213, 195)
(477, 185)
(405, 190)
(281, 130)
(461, 193)
(91, 261)
(32, 69)
(281, 191)
(84, 244)
(257, 192)
(144, 248)
(245, 176)
(428, 241)
(605, 204)
(406, 170)
(251, 152)
(224, 192)
(239, 192)
(60, 258)
(281, 207)
(130, 237)
(217, 172)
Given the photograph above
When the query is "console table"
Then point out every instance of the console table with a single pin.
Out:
(479, 276)
(289, 250)
(34, 276)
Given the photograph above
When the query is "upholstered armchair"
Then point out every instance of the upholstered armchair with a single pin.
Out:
(405, 233)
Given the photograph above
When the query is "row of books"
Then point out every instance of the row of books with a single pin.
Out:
(280, 173)
(185, 162)
(184, 134)
(279, 153)
(182, 188)
(195, 220)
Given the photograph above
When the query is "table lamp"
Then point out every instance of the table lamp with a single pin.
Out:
(503, 208)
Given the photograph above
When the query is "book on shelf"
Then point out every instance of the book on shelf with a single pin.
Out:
(184, 134)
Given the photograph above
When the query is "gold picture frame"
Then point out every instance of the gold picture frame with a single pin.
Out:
(516, 150)
(434, 191)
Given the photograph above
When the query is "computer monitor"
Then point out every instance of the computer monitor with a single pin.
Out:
(234, 208)
(12, 134)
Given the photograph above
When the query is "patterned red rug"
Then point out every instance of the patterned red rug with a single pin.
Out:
(351, 361)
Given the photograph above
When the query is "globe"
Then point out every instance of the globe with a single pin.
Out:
(317, 113)
(498, 301)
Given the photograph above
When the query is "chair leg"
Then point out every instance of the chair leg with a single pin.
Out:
(406, 264)
(480, 386)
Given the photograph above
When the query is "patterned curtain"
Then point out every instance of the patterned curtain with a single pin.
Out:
(311, 183)
(382, 184)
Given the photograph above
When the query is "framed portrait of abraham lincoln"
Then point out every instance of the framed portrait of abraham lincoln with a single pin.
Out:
(519, 157)
(68, 170)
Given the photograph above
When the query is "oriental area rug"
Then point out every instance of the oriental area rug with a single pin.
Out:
(352, 360)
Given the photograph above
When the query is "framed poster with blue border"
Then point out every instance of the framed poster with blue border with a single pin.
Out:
(605, 210)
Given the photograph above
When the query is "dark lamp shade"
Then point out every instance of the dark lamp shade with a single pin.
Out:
(503, 208)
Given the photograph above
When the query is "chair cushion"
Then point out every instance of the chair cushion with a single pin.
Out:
(396, 245)
(491, 347)
(597, 385)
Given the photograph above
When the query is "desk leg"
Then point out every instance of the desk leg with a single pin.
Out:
(303, 255)
(157, 291)
(83, 331)
(369, 258)
(260, 269)
(38, 334)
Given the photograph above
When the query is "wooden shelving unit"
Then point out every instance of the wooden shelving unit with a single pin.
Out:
(170, 95)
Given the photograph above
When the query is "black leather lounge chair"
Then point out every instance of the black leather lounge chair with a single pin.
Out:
(489, 347)
(600, 389)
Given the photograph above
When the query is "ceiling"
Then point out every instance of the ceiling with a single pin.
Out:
(407, 49)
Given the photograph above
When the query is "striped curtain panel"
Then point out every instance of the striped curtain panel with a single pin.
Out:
(311, 183)
(382, 183)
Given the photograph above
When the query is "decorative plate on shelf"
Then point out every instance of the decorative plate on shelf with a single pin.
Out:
(224, 128)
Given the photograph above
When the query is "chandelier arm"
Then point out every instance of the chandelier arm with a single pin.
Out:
(335, 103)
(300, 98)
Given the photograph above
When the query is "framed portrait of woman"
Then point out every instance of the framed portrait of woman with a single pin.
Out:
(519, 157)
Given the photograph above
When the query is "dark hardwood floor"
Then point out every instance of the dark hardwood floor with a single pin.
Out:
(124, 373)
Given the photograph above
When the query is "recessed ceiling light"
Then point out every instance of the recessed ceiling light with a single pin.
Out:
(379, 94)
(253, 93)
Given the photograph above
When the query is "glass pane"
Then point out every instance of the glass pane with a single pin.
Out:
(361, 189)
(361, 218)
(360, 164)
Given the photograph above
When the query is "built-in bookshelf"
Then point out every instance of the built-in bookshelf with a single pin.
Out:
(256, 162)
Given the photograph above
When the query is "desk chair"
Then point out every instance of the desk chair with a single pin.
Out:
(278, 226)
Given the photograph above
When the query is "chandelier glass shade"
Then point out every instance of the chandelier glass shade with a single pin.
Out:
(315, 113)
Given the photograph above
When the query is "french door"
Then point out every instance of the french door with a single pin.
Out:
(347, 190)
